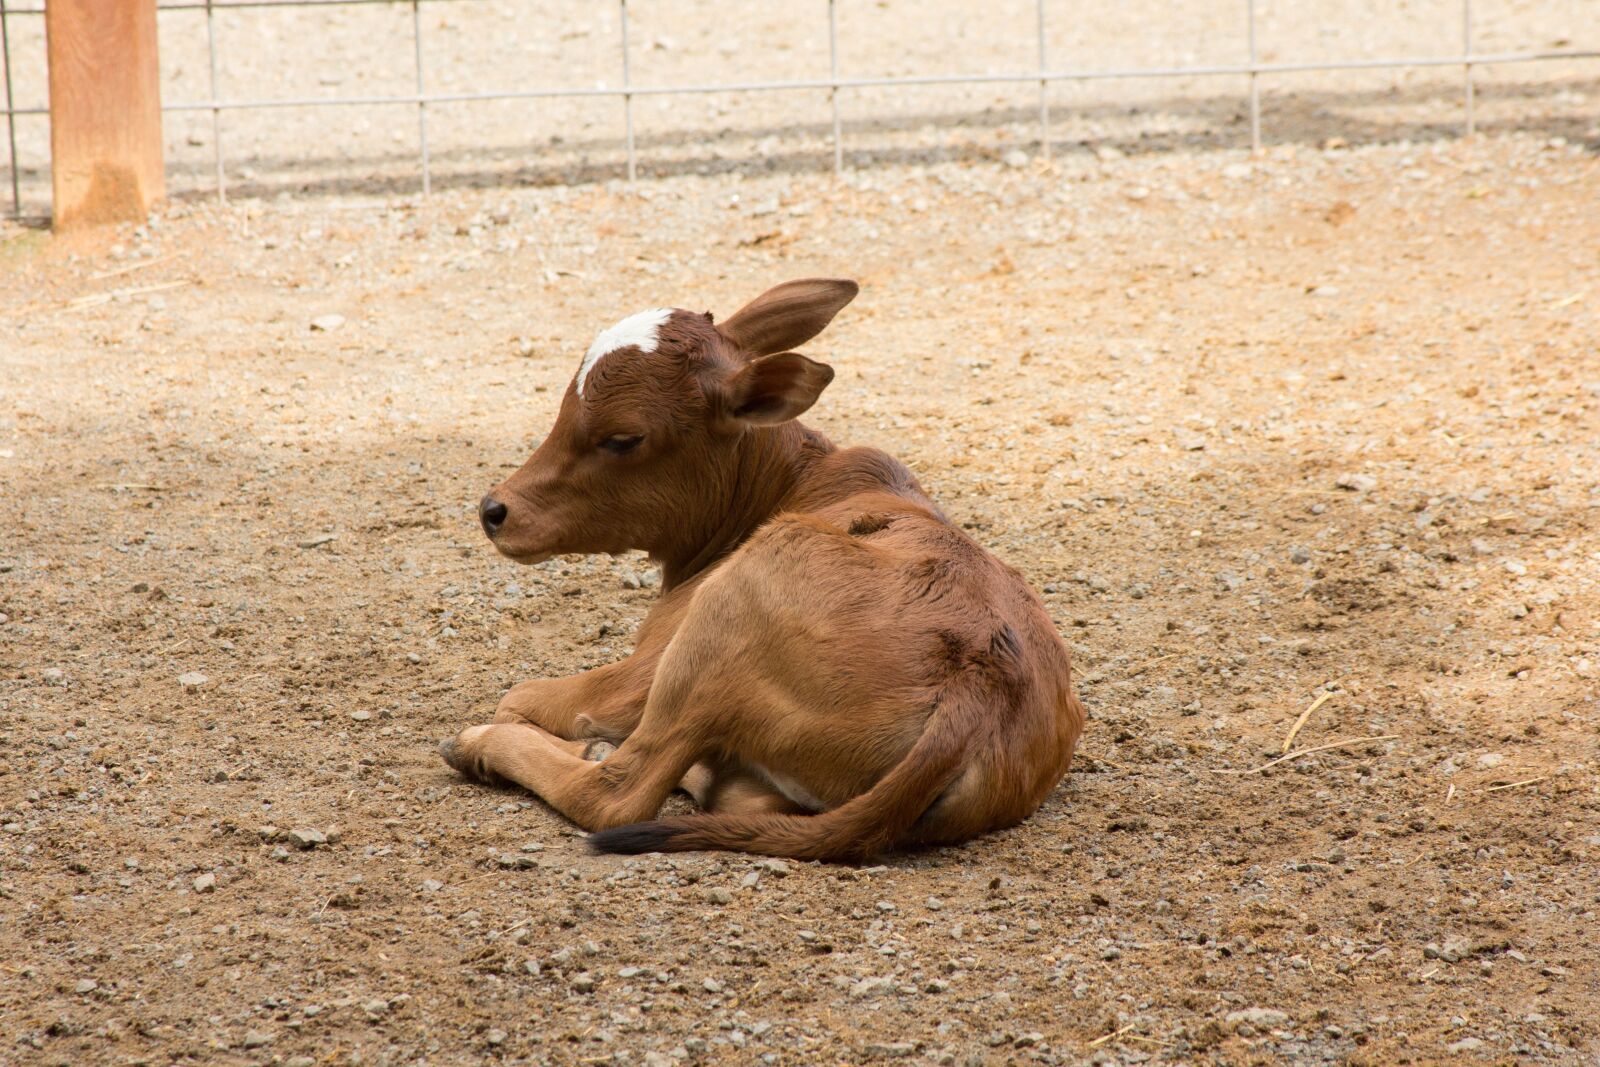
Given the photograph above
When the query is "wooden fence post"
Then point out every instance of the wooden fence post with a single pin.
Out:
(105, 110)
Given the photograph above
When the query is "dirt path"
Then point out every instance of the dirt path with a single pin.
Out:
(1325, 422)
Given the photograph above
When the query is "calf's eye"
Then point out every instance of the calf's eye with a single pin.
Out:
(620, 444)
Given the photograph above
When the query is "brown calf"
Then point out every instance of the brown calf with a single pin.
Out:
(833, 669)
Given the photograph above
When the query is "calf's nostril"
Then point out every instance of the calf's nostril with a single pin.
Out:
(492, 514)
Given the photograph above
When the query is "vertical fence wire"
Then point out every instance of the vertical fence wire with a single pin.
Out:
(11, 112)
(627, 97)
(1255, 89)
(1466, 68)
(422, 105)
(1468, 60)
(216, 112)
(1044, 83)
(833, 90)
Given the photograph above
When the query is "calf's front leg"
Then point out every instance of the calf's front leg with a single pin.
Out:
(604, 703)
(607, 702)
(629, 786)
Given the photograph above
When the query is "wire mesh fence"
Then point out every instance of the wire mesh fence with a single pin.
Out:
(1047, 71)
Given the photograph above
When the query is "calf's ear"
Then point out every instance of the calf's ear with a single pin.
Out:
(774, 388)
(787, 315)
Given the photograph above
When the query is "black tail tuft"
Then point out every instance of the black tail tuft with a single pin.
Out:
(635, 838)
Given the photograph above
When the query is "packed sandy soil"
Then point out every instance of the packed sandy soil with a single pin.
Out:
(1318, 427)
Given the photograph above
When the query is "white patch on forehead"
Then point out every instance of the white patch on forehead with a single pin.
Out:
(636, 331)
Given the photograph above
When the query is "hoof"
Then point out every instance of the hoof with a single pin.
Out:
(464, 752)
(451, 753)
(599, 751)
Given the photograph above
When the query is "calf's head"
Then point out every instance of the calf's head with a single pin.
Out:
(649, 439)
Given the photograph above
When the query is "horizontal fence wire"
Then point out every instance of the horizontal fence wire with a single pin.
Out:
(709, 88)
(1043, 77)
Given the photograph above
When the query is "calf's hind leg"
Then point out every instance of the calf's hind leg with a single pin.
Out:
(731, 790)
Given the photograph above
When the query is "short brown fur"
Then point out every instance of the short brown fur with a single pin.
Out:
(833, 670)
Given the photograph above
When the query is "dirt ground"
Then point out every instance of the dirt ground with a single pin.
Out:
(1315, 428)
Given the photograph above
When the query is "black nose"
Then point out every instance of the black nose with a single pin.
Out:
(492, 514)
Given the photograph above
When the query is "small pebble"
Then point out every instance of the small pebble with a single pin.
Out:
(306, 837)
(891, 1049)
(1359, 483)
(1258, 1018)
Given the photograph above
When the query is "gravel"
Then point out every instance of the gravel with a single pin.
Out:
(1206, 893)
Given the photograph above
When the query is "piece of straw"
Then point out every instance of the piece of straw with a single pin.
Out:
(1117, 1033)
(1304, 715)
(96, 299)
(1514, 785)
(1297, 753)
(130, 268)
